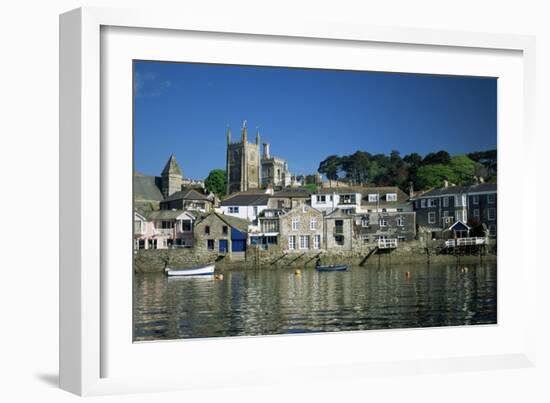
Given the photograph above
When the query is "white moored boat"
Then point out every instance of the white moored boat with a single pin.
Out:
(203, 270)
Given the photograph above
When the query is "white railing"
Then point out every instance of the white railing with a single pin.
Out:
(464, 242)
(387, 243)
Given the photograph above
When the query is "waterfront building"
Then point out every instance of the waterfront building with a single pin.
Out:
(245, 205)
(163, 229)
(474, 205)
(189, 200)
(301, 229)
(374, 226)
(339, 229)
(220, 233)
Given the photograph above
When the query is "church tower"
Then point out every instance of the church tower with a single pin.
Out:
(243, 163)
(171, 177)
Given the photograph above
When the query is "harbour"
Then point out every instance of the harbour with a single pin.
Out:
(250, 302)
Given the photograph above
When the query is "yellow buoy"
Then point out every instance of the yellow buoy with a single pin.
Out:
(297, 272)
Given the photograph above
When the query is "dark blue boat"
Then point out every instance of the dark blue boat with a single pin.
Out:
(334, 267)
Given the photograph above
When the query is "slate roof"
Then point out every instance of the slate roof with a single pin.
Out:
(293, 192)
(172, 167)
(235, 222)
(246, 200)
(189, 194)
(166, 214)
(477, 188)
(147, 188)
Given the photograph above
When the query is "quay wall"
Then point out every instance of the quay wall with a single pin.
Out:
(413, 252)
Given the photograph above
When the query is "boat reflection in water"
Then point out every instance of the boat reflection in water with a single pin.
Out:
(277, 301)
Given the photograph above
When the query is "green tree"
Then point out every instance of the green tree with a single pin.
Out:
(330, 167)
(463, 169)
(433, 175)
(216, 182)
(440, 157)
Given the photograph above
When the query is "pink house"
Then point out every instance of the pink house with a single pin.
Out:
(163, 229)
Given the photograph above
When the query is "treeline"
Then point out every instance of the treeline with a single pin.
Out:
(424, 172)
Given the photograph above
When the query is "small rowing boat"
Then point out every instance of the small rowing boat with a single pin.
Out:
(333, 267)
(203, 270)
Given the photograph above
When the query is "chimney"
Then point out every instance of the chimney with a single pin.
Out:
(446, 183)
(411, 190)
(266, 151)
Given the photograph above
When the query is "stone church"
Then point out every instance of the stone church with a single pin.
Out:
(246, 169)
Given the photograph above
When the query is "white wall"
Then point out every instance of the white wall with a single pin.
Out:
(29, 105)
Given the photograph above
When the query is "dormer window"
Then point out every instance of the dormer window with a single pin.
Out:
(321, 199)
(373, 198)
(391, 197)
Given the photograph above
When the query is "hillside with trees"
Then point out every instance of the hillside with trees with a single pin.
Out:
(424, 172)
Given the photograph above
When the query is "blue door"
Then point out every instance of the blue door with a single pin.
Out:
(238, 241)
(223, 245)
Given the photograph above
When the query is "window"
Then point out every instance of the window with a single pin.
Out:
(295, 224)
(475, 200)
(313, 223)
(292, 242)
(186, 225)
(383, 222)
(373, 198)
(476, 212)
(492, 230)
(365, 238)
(365, 222)
(166, 224)
(316, 241)
(224, 230)
(491, 213)
(321, 199)
(233, 210)
(304, 209)
(304, 241)
(491, 198)
(445, 213)
(460, 200)
(445, 202)
(460, 215)
(391, 197)
(347, 211)
(207, 230)
(400, 222)
(431, 218)
(432, 203)
(339, 240)
(423, 203)
(255, 210)
(210, 244)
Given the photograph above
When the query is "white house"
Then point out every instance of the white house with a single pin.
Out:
(163, 229)
(245, 205)
(329, 199)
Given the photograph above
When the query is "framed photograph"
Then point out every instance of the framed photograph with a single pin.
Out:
(248, 205)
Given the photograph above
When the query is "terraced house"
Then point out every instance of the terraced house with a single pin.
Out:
(438, 209)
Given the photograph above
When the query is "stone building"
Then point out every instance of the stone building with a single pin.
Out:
(242, 163)
(289, 198)
(339, 230)
(300, 229)
(438, 209)
(371, 227)
(171, 177)
(222, 234)
(274, 170)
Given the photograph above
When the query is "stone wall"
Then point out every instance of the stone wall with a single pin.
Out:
(156, 260)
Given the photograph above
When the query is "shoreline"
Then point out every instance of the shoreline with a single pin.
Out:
(154, 261)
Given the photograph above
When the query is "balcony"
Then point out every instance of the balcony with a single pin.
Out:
(451, 243)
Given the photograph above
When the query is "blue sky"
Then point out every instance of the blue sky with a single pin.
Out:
(306, 115)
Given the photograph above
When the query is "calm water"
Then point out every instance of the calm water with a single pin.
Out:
(276, 301)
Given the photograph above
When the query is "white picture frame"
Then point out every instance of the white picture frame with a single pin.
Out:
(89, 317)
